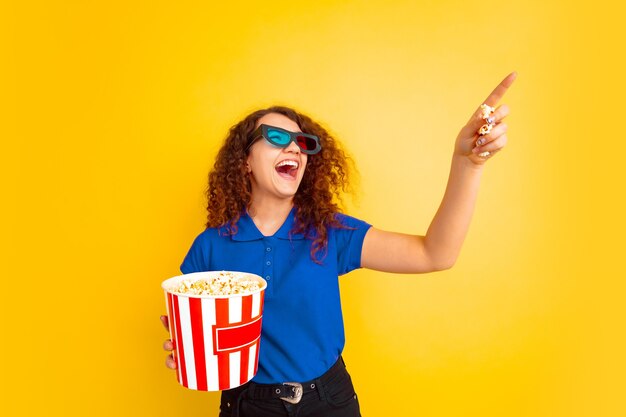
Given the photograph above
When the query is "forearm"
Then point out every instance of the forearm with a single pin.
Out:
(449, 227)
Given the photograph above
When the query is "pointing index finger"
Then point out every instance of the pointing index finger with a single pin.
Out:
(499, 91)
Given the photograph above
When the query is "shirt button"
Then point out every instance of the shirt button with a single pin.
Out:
(268, 278)
(268, 249)
(268, 263)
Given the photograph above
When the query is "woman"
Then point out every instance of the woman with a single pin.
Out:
(271, 212)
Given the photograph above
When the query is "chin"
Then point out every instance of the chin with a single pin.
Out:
(287, 193)
(287, 188)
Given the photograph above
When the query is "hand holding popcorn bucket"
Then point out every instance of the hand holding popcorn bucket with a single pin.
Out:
(215, 327)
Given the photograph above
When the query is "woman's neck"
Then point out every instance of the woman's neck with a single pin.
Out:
(269, 216)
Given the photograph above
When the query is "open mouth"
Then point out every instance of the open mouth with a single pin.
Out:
(287, 169)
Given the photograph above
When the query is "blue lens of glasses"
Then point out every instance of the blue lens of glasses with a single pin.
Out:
(278, 137)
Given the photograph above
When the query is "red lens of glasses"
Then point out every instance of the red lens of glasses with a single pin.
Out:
(306, 143)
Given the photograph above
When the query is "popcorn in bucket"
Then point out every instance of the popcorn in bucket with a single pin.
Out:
(215, 326)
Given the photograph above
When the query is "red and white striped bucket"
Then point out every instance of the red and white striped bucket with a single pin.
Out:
(216, 338)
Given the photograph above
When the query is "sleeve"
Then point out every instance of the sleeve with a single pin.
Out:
(349, 243)
(197, 257)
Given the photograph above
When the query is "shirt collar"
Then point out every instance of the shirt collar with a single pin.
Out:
(248, 231)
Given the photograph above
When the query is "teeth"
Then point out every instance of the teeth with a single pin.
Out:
(288, 162)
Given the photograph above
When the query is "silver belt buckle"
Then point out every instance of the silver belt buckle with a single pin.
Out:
(296, 389)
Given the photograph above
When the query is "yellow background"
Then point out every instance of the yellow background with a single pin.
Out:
(112, 113)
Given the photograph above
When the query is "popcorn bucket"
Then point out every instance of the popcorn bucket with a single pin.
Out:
(215, 337)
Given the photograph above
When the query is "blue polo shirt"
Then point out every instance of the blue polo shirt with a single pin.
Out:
(302, 334)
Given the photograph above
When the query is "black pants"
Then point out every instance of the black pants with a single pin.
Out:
(333, 396)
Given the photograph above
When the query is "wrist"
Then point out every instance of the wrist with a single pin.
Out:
(465, 163)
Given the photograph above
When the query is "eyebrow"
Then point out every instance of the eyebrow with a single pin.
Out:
(282, 128)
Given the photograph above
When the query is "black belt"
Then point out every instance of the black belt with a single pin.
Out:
(290, 392)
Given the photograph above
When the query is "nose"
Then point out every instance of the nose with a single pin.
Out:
(292, 147)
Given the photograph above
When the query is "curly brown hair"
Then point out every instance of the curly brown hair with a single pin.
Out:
(318, 197)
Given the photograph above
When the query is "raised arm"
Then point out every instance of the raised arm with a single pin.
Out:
(439, 249)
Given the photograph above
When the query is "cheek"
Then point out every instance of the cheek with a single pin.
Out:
(261, 167)
(255, 163)
(305, 161)
(306, 171)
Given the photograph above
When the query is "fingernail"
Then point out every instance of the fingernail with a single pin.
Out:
(480, 142)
